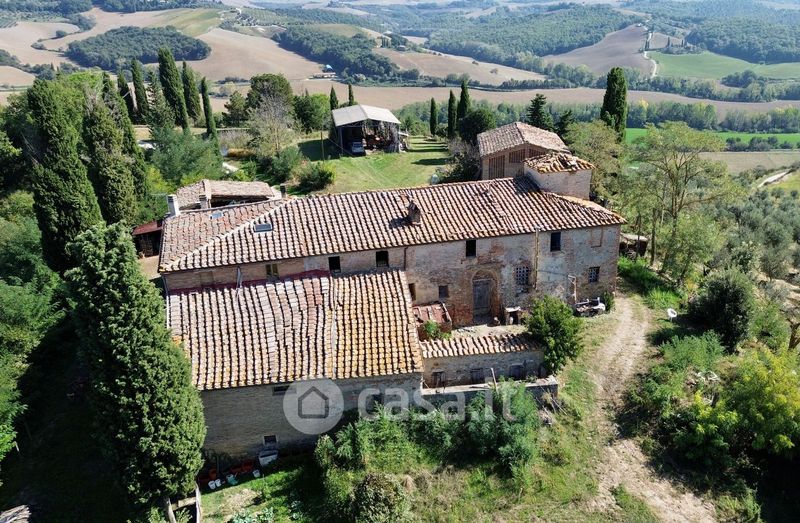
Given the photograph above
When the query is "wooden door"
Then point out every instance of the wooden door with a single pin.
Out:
(481, 297)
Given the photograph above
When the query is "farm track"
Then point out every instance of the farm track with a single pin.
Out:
(622, 461)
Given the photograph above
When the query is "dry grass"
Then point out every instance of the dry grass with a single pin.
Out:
(236, 54)
(618, 49)
(17, 40)
(743, 161)
(10, 76)
(440, 65)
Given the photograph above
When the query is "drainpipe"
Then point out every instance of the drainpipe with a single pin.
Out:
(536, 261)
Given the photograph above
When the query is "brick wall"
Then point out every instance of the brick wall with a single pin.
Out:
(457, 370)
(237, 419)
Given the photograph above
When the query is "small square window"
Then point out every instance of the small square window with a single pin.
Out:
(382, 259)
(516, 372)
(522, 275)
(279, 390)
(335, 264)
(272, 270)
(594, 274)
(444, 292)
(438, 378)
(555, 241)
(476, 376)
(270, 441)
(412, 290)
(472, 248)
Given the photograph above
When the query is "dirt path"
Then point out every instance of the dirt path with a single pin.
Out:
(623, 462)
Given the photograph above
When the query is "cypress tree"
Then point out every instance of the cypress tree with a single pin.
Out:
(351, 98)
(108, 169)
(160, 115)
(538, 115)
(464, 101)
(615, 102)
(125, 94)
(452, 116)
(139, 91)
(565, 119)
(130, 147)
(433, 122)
(334, 99)
(172, 86)
(211, 125)
(141, 387)
(65, 203)
(190, 92)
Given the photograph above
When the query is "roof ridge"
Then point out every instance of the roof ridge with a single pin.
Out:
(202, 246)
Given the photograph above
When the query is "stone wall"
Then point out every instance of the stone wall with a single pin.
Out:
(576, 184)
(462, 395)
(510, 169)
(457, 370)
(446, 264)
(237, 419)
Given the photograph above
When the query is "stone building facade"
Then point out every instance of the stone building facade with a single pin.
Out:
(503, 150)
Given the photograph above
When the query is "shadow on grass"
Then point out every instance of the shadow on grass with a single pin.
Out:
(59, 470)
(430, 161)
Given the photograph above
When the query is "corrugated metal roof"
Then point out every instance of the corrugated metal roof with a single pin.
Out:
(358, 113)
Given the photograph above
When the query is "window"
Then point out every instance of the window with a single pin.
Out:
(522, 275)
(472, 248)
(444, 292)
(412, 290)
(262, 227)
(335, 264)
(476, 376)
(270, 441)
(272, 270)
(280, 390)
(555, 241)
(438, 378)
(516, 372)
(382, 259)
(594, 274)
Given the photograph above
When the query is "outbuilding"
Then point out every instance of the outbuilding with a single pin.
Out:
(359, 128)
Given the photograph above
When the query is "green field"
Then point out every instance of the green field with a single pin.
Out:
(191, 22)
(714, 66)
(790, 183)
(346, 30)
(793, 138)
(384, 170)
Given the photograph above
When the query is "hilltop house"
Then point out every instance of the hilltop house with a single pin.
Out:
(504, 150)
(266, 294)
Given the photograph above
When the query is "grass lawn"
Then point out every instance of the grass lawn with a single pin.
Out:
(383, 170)
(790, 183)
(714, 66)
(793, 138)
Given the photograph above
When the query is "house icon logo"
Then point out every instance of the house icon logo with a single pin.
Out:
(314, 406)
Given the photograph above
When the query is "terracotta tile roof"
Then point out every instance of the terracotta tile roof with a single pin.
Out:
(516, 134)
(189, 196)
(363, 221)
(475, 345)
(558, 163)
(315, 326)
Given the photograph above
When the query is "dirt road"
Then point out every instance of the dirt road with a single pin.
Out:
(623, 462)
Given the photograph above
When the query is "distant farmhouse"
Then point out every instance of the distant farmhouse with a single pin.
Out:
(503, 150)
(266, 294)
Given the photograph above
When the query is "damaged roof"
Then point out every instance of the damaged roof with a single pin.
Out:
(361, 221)
(476, 345)
(516, 134)
(558, 163)
(359, 113)
(189, 196)
(308, 327)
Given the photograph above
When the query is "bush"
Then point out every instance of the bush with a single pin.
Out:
(282, 166)
(379, 499)
(553, 326)
(608, 299)
(726, 303)
(315, 176)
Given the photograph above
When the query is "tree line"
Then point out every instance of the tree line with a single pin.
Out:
(121, 45)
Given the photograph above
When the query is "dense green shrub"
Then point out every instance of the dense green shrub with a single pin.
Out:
(608, 299)
(282, 166)
(726, 303)
(315, 176)
(119, 46)
(379, 498)
(553, 326)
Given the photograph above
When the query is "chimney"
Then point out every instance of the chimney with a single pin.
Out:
(204, 201)
(283, 191)
(414, 213)
(172, 205)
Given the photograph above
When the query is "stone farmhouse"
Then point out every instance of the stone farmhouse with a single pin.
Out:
(265, 294)
(503, 150)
